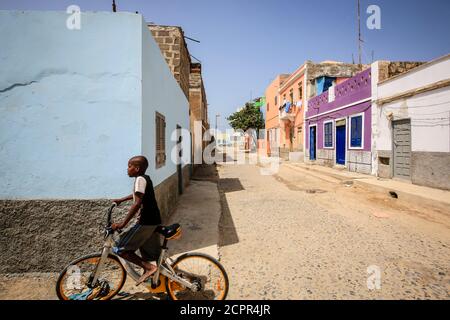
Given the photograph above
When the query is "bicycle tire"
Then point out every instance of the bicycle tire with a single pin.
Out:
(171, 285)
(59, 282)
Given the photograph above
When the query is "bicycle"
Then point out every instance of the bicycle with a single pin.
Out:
(101, 276)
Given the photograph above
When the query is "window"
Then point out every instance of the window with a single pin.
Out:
(160, 126)
(356, 131)
(328, 134)
(291, 95)
(276, 100)
(300, 91)
(267, 106)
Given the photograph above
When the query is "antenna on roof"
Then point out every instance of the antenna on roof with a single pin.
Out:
(195, 58)
(359, 33)
(192, 39)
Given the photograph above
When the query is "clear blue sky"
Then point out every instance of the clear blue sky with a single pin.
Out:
(246, 43)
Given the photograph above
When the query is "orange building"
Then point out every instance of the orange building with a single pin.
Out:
(272, 114)
(291, 112)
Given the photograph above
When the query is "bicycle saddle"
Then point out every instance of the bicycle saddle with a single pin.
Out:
(169, 231)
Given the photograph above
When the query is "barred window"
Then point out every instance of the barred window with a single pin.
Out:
(328, 135)
(356, 131)
(160, 127)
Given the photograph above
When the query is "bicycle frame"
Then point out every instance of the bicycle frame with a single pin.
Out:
(163, 268)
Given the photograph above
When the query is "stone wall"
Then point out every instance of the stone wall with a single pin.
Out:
(197, 93)
(325, 157)
(360, 161)
(45, 235)
(389, 69)
(198, 103)
(171, 41)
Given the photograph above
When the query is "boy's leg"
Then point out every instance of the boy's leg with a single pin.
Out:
(151, 249)
(148, 267)
(132, 240)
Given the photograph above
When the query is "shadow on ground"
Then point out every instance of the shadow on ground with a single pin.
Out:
(204, 215)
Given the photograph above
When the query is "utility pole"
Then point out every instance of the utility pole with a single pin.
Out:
(114, 6)
(359, 33)
(215, 132)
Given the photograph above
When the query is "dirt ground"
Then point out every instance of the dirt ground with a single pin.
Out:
(296, 236)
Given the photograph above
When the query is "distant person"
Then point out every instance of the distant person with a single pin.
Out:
(142, 235)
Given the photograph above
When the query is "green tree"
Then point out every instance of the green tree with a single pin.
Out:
(249, 117)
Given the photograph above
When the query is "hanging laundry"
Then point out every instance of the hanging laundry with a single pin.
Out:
(323, 83)
(287, 107)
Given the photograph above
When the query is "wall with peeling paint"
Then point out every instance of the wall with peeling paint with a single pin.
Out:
(71, 104)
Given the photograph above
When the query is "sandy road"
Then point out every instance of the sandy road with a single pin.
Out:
(294, 236)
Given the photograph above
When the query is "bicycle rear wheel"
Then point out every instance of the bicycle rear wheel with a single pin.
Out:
(73, 281)
(202, 270)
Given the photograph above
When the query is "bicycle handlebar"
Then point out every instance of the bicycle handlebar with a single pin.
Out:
(110, 211)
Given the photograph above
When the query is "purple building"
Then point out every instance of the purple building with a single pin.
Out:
(338, 125)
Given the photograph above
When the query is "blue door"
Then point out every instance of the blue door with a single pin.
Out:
(340, 145)
(312, 143)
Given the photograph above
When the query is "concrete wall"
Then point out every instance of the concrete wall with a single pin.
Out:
(429, 112)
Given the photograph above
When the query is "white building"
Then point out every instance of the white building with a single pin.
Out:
(411, 125)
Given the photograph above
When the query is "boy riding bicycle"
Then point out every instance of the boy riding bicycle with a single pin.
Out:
(142, 235)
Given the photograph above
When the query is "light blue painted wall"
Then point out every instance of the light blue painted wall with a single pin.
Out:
(71, 110)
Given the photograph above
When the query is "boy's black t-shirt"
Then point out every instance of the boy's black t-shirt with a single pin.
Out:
(149, 214)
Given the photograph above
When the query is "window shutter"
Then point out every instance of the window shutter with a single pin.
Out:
(160, 130)
(356, 132)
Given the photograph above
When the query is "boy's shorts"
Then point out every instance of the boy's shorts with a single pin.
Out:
(140, 237)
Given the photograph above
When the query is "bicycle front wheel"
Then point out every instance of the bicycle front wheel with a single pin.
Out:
(205, 272)
(73, 282)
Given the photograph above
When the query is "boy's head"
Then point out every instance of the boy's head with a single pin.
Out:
(137, 166)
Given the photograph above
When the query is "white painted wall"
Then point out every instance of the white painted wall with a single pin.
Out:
(429, 112)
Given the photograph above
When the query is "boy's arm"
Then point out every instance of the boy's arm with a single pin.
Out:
(124, 199)
(133, 210)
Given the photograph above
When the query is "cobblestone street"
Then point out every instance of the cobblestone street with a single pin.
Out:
(292, 236)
